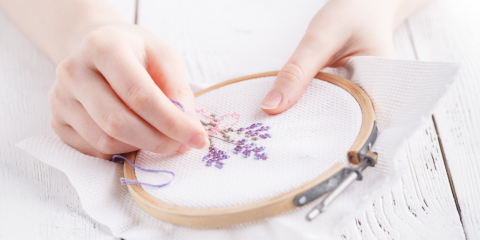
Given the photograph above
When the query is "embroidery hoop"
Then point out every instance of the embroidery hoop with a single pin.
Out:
(227, 216)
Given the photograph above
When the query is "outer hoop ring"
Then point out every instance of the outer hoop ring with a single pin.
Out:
(222, 217)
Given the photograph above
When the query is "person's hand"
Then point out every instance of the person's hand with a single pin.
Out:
(341, 30)
(112, 96)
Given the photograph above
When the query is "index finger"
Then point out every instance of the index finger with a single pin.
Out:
(132, 83)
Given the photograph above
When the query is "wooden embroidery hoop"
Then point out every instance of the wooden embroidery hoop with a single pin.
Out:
(227, 216)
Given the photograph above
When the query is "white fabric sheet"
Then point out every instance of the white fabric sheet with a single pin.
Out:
(404, 94)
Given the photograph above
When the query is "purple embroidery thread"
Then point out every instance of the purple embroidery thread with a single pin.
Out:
(248, 148)
(215, 156)
(217, 130)
(125, 181)
(178, 103)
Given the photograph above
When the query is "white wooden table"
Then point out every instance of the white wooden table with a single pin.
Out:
(437, 197)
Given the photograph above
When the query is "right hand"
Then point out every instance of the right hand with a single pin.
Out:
(112, 96)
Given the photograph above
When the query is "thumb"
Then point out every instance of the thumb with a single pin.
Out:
(296, 74)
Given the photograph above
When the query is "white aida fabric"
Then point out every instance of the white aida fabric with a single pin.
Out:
(306, 140)
(404, 94)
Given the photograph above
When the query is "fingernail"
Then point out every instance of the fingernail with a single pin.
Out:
(271, 101)
(183, 148)
(199, 142)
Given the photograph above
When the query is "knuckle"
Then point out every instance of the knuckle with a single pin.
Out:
(291, 73)
(185, 92)
(315, 37)
(171, 54)
(175, 60)
(55, 124)
(53, 96)
(65, 70)
(137, 96)
(106, 144)
(113, 123)
(177, 57)
(100, 41)
(60, 128)
(57, 95)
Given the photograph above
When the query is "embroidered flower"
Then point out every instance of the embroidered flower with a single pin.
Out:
(220, 128)
(215, 156)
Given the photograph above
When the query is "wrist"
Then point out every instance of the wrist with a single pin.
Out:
(84, 23)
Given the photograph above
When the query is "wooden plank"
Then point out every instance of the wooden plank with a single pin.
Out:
(421, 206)
(222, 44)
(38, 202)
(449, 31)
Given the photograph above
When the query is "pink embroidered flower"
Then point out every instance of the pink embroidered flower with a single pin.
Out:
(225, 121)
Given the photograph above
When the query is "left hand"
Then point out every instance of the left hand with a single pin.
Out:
(341, 30)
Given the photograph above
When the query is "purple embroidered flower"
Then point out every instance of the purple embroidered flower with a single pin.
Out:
(264, 136)
(259, 156)
(258, 149)
(241, 142)
(246, 153)
(250, 145)
(219, 165)
(237, 149)
(263, 128)
(244, 146)
(215, 156)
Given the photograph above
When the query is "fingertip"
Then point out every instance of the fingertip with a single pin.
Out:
(284, 105)
(207, 144)
(271, 101)
(183, 148)
(199, 142)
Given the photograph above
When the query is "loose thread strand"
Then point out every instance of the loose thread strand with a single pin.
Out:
(125, 181)
(178, 103)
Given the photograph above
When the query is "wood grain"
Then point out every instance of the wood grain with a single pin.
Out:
(421, 206)
(449, 31)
